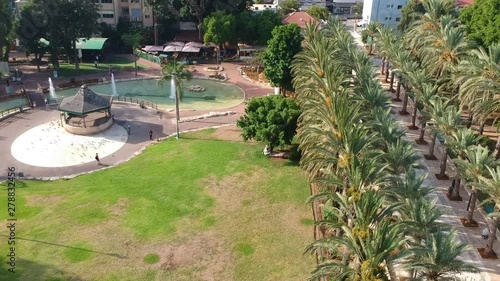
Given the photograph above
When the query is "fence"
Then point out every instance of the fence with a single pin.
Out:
(148, 57)
(12, 110)
(137, 101)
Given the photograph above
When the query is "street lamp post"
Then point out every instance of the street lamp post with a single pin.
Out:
(177, 117)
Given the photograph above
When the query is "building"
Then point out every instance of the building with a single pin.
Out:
(299, 18)
(136, 11)
(305, 4)
(265, 5)
(386, 12)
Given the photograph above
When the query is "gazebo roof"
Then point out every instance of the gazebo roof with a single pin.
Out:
(85, 101)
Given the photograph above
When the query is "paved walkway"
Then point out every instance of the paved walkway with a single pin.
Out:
(140, 120)
(453, 210)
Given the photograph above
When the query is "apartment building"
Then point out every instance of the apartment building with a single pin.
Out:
(137, 11)
(387, 12)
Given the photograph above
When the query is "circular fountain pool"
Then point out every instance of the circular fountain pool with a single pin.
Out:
(217, 95)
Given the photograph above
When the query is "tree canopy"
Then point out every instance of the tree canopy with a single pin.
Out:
(278, 57)
(358, 8)
(288, 6)
(482, 21)
(318, 12)
(271, 119)
(266, 22)
(219, 28)
(6, 29)
(409, 13)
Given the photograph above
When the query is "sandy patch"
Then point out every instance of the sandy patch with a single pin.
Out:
(36, 200)
(229, 133)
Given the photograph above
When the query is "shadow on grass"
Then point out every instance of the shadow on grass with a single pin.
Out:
(70, 247)
(42, 271)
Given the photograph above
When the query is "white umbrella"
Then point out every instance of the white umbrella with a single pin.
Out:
(175, 43)
(194, 44)
(172, 49)
(189, 49)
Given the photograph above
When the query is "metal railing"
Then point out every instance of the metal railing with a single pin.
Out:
(12, 110)
(137, 101)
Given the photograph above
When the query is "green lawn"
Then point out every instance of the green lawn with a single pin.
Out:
(190, 209)
(116, 63)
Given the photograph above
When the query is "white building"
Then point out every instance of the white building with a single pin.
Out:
(387, 12)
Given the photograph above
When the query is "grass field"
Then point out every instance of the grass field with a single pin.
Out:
(116, 63)
(198, 208)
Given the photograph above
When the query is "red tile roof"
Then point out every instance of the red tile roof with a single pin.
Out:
(299, 18)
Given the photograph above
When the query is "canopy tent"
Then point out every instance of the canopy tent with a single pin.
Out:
(150, 48)
(91, 43)
(250, 48)
(194, 44)
(169, 49)
(189, 49)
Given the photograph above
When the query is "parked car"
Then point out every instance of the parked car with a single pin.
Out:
(361, 23)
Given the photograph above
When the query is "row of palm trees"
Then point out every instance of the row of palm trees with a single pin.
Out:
(448, 78)
(368, 197)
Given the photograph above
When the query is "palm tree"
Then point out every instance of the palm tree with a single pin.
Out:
(477, 159)
(459, 142)
(176, 73)
(490, 184)
(426, 93)
(438, 257)
(372, 30)
(400, 157)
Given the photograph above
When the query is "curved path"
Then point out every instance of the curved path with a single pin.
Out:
(140, 121)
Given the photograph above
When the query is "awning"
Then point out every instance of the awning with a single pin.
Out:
(91, 43)
(168, 49)
(189, 49)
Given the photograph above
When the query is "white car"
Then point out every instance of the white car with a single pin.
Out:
(361, 23)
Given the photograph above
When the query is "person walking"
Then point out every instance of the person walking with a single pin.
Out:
(97, 159)
(128, 129)
(150, 134)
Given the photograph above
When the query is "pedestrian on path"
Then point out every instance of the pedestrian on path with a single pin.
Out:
(150, 134)
(97, 159)
(128, 129)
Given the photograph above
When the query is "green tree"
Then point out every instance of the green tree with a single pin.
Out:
(266, 22)
(288, 6)
(281, 49)
(7, 25)
(358, 9)
(246, 25)
(30, 34)
(482, 21)
(177, 72)
(220, 28)
(410, 13)
(318, 12)
(271, 119)
(133, 40)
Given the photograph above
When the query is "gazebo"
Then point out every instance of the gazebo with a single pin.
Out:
(86, 112)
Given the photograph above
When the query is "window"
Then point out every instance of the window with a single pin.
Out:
(400, 7)
(106, 1)
(398, 19)
(135, 1)
(386, 18)
(392, 6)
(125, 11)
(126, 1)
(108, 15)
(388, 6)
(146, 16)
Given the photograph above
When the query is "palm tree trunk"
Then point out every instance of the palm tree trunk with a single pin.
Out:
(421, 137)
(497, 147)
(442, 166)
(405, 102)
(492, 236)
(391, 88)
(398, 90)
(414, 116)
(481, 128)
(469, 219)
(177, 114)
(469, 120)
(387, 70)
(430, 155)
(455, 193)
(382, 66)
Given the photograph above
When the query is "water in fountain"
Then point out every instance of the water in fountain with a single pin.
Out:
(113, 85)
(52, 90)
(172, 89)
